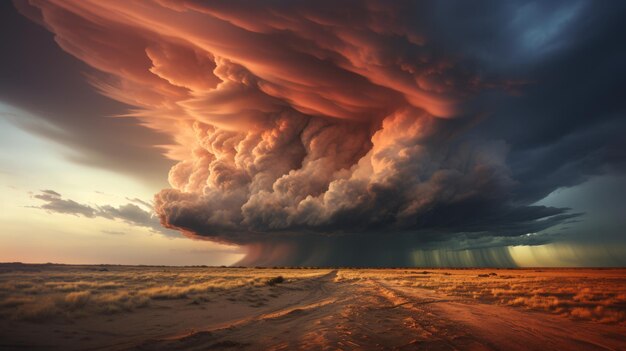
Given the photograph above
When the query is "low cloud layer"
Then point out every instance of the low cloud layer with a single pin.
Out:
(349, 127)
(128, 213)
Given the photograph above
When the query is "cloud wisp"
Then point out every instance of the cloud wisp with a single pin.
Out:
(128, 213)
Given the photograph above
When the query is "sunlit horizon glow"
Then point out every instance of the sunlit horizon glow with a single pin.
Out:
(312, 134)
(72, 239)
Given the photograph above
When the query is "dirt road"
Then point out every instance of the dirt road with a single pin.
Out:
(371, 314)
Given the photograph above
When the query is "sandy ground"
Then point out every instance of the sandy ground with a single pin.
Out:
(325, 310)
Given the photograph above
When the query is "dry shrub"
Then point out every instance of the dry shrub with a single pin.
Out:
(121, 301)
(275, 280)
(166, 292)
(76, 300)
(14, 301)
(39, 310)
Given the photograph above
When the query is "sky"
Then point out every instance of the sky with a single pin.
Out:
(366, 133)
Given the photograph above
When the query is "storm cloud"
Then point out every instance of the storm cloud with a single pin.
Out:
(364, 127)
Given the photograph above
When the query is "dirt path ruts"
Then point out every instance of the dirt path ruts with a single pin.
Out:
(372, 314)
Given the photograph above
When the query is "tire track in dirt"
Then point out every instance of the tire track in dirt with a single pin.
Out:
(359, 315)
(249, 331)
(375, 314)
(499, 327)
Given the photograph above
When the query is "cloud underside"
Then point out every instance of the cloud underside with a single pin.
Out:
(305, 123)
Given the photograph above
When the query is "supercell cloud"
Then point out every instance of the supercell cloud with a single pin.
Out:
(306, 127)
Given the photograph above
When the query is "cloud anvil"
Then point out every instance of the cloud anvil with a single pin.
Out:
(316, 123)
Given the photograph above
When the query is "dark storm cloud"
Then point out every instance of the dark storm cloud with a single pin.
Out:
(129, 213)
(568, 122)
(315, 133)
(38, 77)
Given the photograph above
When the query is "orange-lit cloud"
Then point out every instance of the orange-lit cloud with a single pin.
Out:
(299, 118)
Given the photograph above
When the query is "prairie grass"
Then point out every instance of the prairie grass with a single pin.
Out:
(42, 292)
(583, 294)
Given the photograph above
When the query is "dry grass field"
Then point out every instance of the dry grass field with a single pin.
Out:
(62, 307)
